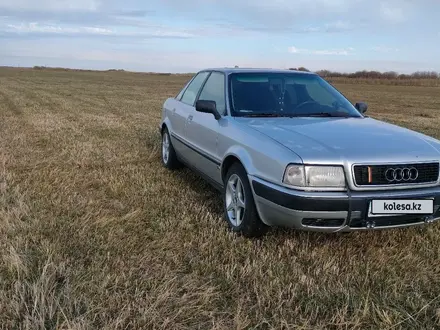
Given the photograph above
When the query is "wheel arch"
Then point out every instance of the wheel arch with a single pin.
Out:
(257, 226)
(162, 127)
(236, 155)
(165, 124)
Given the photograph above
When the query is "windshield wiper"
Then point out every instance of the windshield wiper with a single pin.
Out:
(267, 115)
(322, 114)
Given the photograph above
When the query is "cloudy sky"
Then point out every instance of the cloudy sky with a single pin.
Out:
(187, 35)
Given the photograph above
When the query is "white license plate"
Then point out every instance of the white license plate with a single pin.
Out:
(398, 207)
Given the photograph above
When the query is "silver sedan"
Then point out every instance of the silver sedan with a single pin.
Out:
(286, 148)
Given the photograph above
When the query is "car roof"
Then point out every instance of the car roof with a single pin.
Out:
(255, 70)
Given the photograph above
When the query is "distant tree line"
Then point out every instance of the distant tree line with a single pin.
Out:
(390, 75)
(374, 74)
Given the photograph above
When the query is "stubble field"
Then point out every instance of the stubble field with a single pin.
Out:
(95, 233)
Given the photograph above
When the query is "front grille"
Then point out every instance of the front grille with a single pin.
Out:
(376, 175)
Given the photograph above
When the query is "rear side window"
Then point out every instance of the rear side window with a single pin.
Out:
(179, 96)
(189, 97)
(214, 90)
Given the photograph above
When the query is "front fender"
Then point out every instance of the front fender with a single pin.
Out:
(242, 155)
(266, 161)
(165, 122)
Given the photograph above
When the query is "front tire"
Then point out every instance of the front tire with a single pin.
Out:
(169, 157)
(239, 206)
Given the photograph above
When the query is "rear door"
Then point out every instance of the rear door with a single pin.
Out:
(181, 109)
(201, 131)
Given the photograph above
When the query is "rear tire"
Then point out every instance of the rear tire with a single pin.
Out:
(169, 157)
(240, 211)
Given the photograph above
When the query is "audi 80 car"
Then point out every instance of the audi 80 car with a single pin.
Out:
(286, 148)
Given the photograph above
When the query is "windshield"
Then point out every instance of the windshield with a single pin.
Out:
(286, 94)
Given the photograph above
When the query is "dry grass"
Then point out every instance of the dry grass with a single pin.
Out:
(94, 233)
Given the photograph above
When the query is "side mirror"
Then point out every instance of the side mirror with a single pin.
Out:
(361, 107)
(207, 106)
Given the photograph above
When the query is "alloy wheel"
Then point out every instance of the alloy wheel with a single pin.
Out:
(165, 147)
(235, 200)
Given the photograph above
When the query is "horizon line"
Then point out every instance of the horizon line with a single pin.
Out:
(43, 67)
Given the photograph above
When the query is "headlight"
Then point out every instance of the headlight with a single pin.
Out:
(315, 176)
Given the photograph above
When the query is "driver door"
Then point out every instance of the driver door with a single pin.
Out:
(182, 109)
(201, 130)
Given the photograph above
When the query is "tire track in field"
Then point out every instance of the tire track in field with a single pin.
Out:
(9, 104)
(46, 109)
(34, 130)
(81, 119)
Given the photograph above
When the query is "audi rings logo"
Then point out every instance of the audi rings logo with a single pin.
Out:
(401, 174)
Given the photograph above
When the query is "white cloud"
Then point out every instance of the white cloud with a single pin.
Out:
(392, 12)
(154, 32)
(312, 29)
(331, 52)
(295, 50)
(288, 8)
(385, 49)
(38, 28)
(298, 6)
(337, 26)
(276, 16)
(343, 52)
(257, 16)
(285, 14)
(50, 5)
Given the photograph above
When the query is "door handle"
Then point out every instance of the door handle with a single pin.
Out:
(190, 118)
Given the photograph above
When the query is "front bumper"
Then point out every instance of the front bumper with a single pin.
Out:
(334, 211)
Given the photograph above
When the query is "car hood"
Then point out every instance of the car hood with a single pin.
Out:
(347, 140)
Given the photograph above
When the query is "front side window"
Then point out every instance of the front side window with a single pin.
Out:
(214, 90)
(286, 94)
(189, 96)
